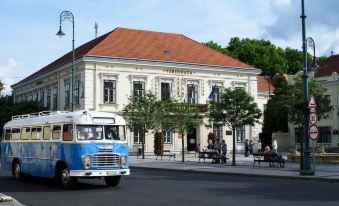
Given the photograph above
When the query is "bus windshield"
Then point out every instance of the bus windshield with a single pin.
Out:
(89, 132)
(95, 132)
(115, 132)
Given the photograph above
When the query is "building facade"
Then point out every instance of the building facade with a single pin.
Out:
(124, 61)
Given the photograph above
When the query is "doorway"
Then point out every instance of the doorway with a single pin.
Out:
(191, 139)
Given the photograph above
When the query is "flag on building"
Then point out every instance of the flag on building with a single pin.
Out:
(211, 96)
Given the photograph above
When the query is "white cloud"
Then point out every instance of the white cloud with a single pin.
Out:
(8, 71)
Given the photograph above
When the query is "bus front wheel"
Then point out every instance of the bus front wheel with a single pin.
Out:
(17, 170)
(112, 181)
(65, 178)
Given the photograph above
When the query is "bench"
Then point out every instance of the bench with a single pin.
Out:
(270, 158)
(214, 155)
(165, 153)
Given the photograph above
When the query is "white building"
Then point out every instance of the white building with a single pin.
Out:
(111, 67)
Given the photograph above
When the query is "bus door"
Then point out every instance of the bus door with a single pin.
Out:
(55, 147)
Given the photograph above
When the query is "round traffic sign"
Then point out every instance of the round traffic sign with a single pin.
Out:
(313, 118)
(313, 132)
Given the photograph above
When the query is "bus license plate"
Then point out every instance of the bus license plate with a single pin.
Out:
(109, 173)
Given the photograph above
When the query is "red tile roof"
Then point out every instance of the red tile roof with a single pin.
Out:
(264, 84)
(147, 45)
(330, 65)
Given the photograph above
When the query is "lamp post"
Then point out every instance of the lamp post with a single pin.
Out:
(306, 167)
(67, 15)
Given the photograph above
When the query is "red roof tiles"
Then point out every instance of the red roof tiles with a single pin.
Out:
(264, 84)
(148, 45)
(329, 66)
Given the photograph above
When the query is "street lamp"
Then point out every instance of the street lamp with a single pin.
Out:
(67, 15)
(306, 167)
(311, 44)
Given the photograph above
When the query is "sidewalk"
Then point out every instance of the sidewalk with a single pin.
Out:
(244, 166)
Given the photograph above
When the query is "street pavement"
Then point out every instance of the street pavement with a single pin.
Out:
(244, 166)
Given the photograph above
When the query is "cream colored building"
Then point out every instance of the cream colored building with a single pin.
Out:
(327, 76)
(111, 67)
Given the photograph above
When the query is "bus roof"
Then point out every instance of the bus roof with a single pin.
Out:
(77, 117)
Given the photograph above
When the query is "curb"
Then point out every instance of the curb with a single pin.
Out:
(4, 198)
(305, 178)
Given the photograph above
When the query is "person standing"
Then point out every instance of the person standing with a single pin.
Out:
(275, 145)
(259, 146)
(246, 148)
(224, 150)
(250, 147)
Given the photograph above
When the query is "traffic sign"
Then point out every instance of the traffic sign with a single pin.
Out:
(312, 103)
(313, 118)
(313, 132)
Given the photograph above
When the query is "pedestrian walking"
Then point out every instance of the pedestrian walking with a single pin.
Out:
(246, 148)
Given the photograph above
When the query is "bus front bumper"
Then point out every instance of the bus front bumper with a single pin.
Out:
(99, 173)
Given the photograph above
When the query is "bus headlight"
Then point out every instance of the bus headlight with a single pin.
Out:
(123, 160)
(86, 161)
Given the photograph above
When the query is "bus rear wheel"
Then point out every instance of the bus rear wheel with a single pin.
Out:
(17, 170)
(65, 178)
(112, 181)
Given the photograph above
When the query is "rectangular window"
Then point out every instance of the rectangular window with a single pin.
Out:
(138, 88)
(217, 130)
(240, 133)
(48, 99)
(42, 98)
(167, 135)
(76, 92)
(25, 133)
(36, 133)
(110, 91)
(192, 93)
(324, 135)
(56, 132)
(67, 95)
(30, 96)
(67, 132)
(55, 97)
(47, 133)
(137, 134)
(8, 133)
(15, 133)
(217, 93)
(165, 91)
(36, 96)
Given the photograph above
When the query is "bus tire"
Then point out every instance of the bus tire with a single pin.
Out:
(112, 181)
(65, 179)
(16, 169)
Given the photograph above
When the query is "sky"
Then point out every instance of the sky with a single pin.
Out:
(28, 41)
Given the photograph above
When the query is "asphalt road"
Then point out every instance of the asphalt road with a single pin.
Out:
(161, 188)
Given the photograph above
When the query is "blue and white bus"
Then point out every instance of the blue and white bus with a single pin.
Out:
(66, 146)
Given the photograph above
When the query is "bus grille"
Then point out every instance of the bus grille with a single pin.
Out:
(105, 160)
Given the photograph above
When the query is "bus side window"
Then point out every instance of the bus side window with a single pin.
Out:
(36, 133)
(67, 134)
(47, 133)
(25, 133)
(15, 133)
(56, 132)
(8, 134)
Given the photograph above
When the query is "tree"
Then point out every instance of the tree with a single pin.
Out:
(181, 117)
(143, 113)
(260, 53)
(8, 109)
(234, 109)
(2, 87)
(215, 46)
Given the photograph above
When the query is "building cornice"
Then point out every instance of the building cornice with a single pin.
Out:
(168, 64)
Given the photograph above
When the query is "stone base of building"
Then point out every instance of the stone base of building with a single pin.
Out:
(319, 158)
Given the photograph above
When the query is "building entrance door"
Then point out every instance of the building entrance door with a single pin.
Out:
(191, 139)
